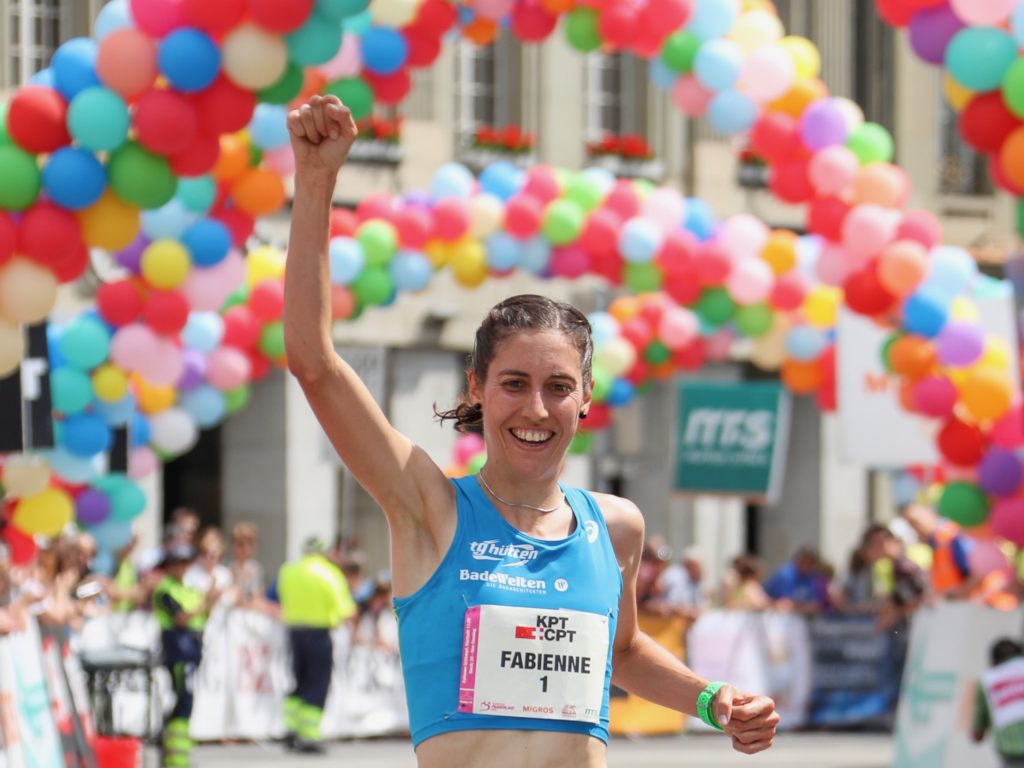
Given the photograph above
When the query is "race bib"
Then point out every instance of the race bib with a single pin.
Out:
(530, 662)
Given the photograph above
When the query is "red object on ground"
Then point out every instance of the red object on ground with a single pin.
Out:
(117, 752)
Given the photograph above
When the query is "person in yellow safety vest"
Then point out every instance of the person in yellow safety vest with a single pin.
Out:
(314, 599)
(950, 574)
(181, 614)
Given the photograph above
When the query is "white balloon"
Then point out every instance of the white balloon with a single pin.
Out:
(394, 13)
(252, 57)
(172, 431)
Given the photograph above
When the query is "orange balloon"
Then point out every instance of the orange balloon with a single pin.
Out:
(258, 192)
(233, 159)
(911, 356)
(986, 394)
(803, 93)
(557, 6)
(780, 251)
(481, 31)
(663, 370)
(882, 184)
(343, 302)
(800, 377)
(150, 397)
(1011, 158)
(902, 266)
(624, 307)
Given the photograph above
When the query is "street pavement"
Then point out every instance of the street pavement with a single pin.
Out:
(688, 751)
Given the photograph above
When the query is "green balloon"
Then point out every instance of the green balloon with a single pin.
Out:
(272, 339)
(379, 241)
(886, 350)
(355, 94)
(1020, 216)
(581, 30)
(373, 287)
(71, 390)
(5, 137)
(657, 353)
(476, 463)
(197, 194)
(141, 177)
(584, 191)
(563, 221)
(359, 24)
(287, 87)
(239, 296)
(315, 42)
(715, 306)
(871, 143)
(341, 9)
(964, 503)
(21, 179)
(581, 443)
(84, 344)
(754, 320)
(236, 399)
(1013, 87)
(679, 51)
(602, 383)
(98, 119)
(255, 156)
(642, 277)
(126, 498)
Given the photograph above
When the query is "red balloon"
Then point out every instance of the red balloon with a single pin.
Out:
(36, 119)
(598, 417)
(166, 312)
(522, 216)
(827, 364)
(960, 443)
(424, 48)
(774, 137)
(8, 236)
(266, 300)
(389, 89)
(600, 233)
(376, 205)
(119, 303)
(215, 18)
(713, 265)
(343, 222)
(895, 13)
(921, 226)
(413, 225)
(451, 219)
(224, 107)
(72, 265)
(623, 199)
(22, 546)
(618, 24)
(608, 265)
(259, 365)
(986, 122)
(826, 397)
(239, 224)
(241, 328)
(683, 285)
(692, 356)
(638, 332)
(666, 15)
(789, 291)
(531, 22)
(48, 233)
(198, 158)
(790, 181)
(639, 373)
(865, 294)
(280, 17)
(435, 17)
(677, 252)
(825, 217)
(165, 122)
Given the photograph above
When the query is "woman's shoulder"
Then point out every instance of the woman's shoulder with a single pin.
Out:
(624, 520)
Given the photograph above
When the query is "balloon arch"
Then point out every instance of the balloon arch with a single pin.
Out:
(162, 140)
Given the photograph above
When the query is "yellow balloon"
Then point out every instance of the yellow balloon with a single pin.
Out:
(12, 348)
(805, 56)
(109, 383)
(27, 291)
(469, 262)
(165, 263)
(152, 398)
(110, 223)
(779, 251)
(963, 309)
(264, 263)
(44, 514)
(394, 13)
(997, 355)
(756, 29)
(616, 356)
(956, 95)
(438, 252)
(252, 57)
(821, 306)
(25, 476)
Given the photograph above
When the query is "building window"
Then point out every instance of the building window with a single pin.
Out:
(961, 170)
(488, 91)
(37, 28)
(616, 96)
(874, 60)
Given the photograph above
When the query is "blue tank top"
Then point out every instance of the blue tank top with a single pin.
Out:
(491, 562)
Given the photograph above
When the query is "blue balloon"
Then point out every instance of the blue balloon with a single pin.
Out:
(1017, 25)
(661, 74)
(410, 271)
(535, 256)
(111, 535)
(85, 434)
(808, 251)
(501, 179)
(713, 18)
(205, 405)
(384, 50)
(73, 178)
(189, 59)
(732, 112)
(950, 271)
(639, 240)
(208, 242)
(451, 180)
(203, 331)
(113, 16)
(620, 392)
(342, 9)
(717, 64)
(503, 252)
(44, 77)
(603, 327)
(168, 222)
(978, 57)
(98, 119)
(104, 562)
(347, 259)
(924, 313)
(74, 67)
(601, 177)
(805, 343)
(118, 413)
(54, 331)
(700, 219)
(138, 432)
(268, 128)
(197, 194)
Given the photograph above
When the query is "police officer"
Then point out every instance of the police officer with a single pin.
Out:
(181, 613)
(314, 599)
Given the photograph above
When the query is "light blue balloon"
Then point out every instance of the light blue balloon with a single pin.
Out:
(315, 42)
(662, 75)
(205, 404)
(111, 535)
(732, 112)
(73, 469)
(1017, 25)
(98, 119)
(603, 327)
(167, 222)
(113, 16)
(503, 252)
(951, 271)
(85, 343)
(717, 64)
(189, 59)
(357, 24)
(85, 434)
(808, 251)
(501, 179)
(44, 77)
(805, 343)
(384, 50)
(203, 331)
(700, 219)
(197, 194)
(978, 57)
(208, 242)
(104, 562)
(601, 178)
(713, 18)
(535, 257)
(71, 390)
(268, 128)
(342, 9)
(639, 240)
(74, 67)
(925, 313)
(410, 270)
(118, 413)
(451, 180)
(73, 178)
(347, 260)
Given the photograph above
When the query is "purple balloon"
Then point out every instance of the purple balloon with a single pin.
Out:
(131, 257)
(999, 472)
(823, 125)
(960, 343)
(92, 506)
(194, 370)
(931, 30)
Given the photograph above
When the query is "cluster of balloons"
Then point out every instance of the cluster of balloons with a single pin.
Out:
(977, 43)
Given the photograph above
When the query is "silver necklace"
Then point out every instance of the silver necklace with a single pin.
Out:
(542, 510)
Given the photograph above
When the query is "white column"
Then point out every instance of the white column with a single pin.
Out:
(844, 499)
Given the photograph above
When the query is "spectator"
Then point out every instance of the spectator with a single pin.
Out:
(679, 585)
(654, 559)
(741, 587)
(353, 566)
(800, 584)
(185, 522)
(950, 573)
(246, 570)
(908, 583)
(208, 572)
(858, 590)
(998, 702)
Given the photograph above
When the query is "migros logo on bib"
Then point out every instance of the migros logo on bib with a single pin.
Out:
(509, 555)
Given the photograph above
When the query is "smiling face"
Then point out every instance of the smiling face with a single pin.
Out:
(531, 397)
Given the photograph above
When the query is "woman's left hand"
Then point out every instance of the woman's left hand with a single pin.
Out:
(750, 720)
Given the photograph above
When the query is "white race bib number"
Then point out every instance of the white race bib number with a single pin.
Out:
(530, 662)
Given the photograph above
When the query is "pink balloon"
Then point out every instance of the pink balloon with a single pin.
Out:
(983, 13)
(922, 226)
(690, 96)
(280, 160)
(750, 281)
(162, 364)
(542, 184)
(347, 62)
(158, 17)
(468, 446)
(207, 289)
(666, 208)
(1007, 520)
(718, 346)
(835, 264)
(742, 236)
(493, 9)
(934, 396)
(832, 170)
(1008, 431)
(678, 327)
(570, 261)
(868, 228)
(623, 200)
(130, 345)
(984, 557)
(768, 73)
(227, 368)
(141, 462)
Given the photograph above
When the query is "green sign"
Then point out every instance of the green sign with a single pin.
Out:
(732, 438)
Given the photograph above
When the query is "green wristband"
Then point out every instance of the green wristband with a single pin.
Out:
(704, 704)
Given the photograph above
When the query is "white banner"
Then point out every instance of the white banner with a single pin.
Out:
(30, 738)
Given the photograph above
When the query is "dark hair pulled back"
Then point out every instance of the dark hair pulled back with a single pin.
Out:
(525, 312)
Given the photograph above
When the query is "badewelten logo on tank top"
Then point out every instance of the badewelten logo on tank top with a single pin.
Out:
(503, 556)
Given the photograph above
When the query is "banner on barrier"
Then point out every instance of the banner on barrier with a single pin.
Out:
(31, 739)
